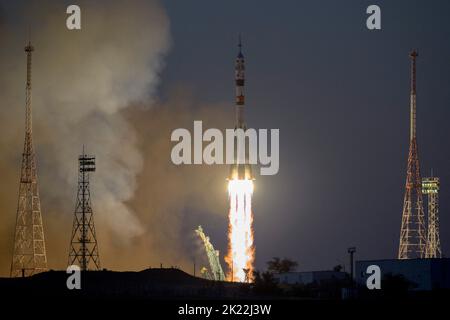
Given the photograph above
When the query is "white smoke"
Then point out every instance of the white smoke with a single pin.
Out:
(82, 81)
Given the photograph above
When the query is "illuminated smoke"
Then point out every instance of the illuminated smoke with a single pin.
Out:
(83, 83)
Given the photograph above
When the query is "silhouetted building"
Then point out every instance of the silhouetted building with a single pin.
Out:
(422, 274)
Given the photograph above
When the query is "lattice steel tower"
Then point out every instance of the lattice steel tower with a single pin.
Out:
(29, 255)
(430, 186)
(412, 233)
(83, 243)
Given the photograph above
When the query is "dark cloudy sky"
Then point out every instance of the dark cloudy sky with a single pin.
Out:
(340, 95)
(338, 92)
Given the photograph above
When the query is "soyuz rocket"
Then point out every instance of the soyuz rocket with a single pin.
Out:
(240, 171)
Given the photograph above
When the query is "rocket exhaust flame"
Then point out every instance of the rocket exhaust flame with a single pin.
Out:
(241, 253)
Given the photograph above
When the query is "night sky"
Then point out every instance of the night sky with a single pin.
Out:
(339, 94)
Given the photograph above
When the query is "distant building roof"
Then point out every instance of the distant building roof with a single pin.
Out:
(307, 277)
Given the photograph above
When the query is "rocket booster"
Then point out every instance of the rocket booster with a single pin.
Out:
(240, 170)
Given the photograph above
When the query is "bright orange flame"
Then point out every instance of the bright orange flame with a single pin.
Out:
(241, 252)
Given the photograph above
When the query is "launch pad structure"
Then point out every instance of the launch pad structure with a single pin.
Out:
(213, 257)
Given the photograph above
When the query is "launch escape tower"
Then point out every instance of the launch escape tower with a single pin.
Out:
(412, 234)
(29, 255)
(430, 186)
(83, 244)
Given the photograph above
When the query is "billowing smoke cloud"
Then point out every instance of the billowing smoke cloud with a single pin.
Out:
(173, 200)
(82, 81)
(97, 87)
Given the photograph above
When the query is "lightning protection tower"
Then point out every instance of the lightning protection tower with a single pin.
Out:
(412, 234)
(430, 187)
(29, 255)
(83, 244)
